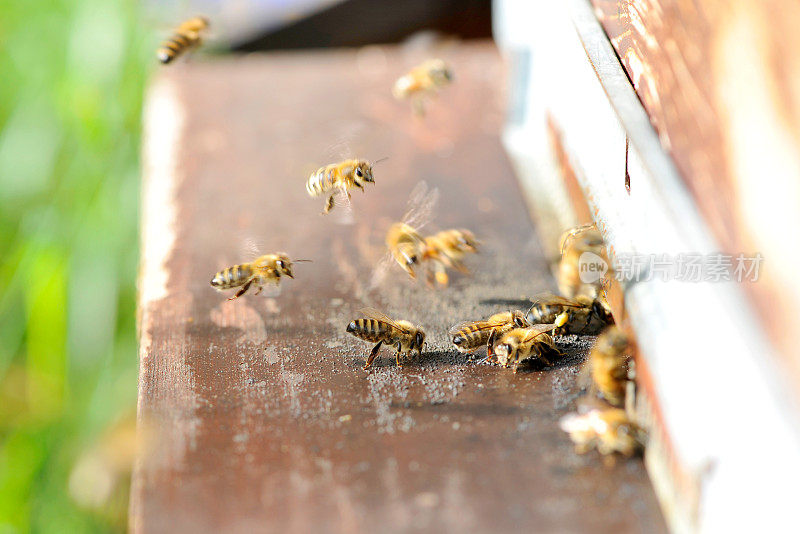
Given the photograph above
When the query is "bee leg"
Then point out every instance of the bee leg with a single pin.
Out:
(490, 346)
(242, 291)
(329, 204)
(258, 290)
(372, 355)
(554, 352)
(544, 359)
(399, 356)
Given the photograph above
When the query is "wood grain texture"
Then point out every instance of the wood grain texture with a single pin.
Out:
(721, 83)
(262, 416)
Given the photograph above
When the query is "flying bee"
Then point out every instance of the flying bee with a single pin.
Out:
(607, 429)
(522, 345)
(435, 253)
(608, 365)
(576, 242)
(421, 82)
(405, 245)
(187, 36)
(412, 251)
(581, 315)
(338, 178)
(447, 249)
(405, 336)
(266, 269)
(469, 336)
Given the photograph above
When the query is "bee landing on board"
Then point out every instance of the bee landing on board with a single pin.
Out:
(421, 82)
(581, 247)
(435, 253)
(337, 179)
(609, 430)
(406, 246)
(581, 315)
(377, 327)
(608, 365)
(447, 249)
(404, 243)
(470, 336)
(522, 345)
(187, 36)
(266, 269)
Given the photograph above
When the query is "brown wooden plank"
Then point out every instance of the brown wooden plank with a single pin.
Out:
(719, 83)
(261, 414)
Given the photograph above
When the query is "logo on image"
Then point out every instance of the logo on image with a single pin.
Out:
(591, 267)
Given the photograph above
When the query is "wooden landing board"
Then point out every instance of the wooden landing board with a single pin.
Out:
(259, 415)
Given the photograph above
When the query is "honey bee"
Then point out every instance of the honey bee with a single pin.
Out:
(406, 246)
(521, 345)
(263, 270)
(338, 178)
(574, 243)
(422, 81)
(607, 429)
(435, 252)
(447, 249)
(581, 315)
(469, 336)
(188, 35)
(608, 365)
(405, 336)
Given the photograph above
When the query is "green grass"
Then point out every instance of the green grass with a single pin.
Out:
(72, 75)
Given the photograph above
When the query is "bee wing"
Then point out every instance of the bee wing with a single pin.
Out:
(339, 150)
(372, 313)
(549, 298)
(379, 273)
(537, 330)
(250, 248)
(421, 204)
(476, 325)
(345, 132)
(574, 232)
(271, 290)
(342, 213)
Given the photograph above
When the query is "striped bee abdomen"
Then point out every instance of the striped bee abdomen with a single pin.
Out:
(173, 47)
(471, 337)
(370, 329)
(543, 313)
(321, 181)
(232, 276)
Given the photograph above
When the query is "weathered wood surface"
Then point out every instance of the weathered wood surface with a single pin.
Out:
(720, 83)
(260, 416)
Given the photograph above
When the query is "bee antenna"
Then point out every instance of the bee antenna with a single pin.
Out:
(301, 261)
(379, 160)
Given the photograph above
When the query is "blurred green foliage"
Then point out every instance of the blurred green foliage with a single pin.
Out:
(72, 75)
